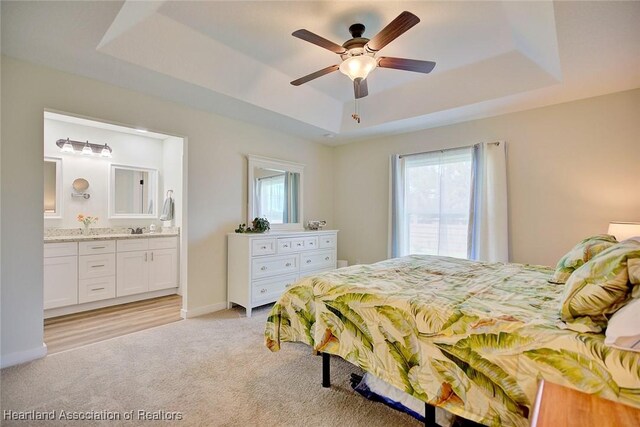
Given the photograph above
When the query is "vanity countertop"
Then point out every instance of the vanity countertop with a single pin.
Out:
(282, 233)
(94, 237)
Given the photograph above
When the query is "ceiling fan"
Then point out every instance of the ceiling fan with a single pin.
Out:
(359, 53)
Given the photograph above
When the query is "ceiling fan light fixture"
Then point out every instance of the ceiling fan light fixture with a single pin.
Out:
(358, 67)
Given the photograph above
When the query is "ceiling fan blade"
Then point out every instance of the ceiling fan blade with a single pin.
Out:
(315, 75)
(310, 37)
(395, 29)
(360, 88)
(406, 64)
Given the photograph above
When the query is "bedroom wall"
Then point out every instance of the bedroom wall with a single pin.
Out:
(571, 168)
(216, 183)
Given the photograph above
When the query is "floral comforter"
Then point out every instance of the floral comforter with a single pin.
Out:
(473, 338)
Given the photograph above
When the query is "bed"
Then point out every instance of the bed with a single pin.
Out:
(473, 338)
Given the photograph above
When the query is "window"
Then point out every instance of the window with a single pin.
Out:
(271, 191)
(434, 201)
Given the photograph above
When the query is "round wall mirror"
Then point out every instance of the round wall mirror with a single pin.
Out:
(80, 185)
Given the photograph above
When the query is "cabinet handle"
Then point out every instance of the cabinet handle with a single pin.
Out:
(263, 268)
(263, 247)
(151, 256)
(262, 291)
(98, 247)
(308, 261)
(145, 257)
(97, 265)
(97, 289)
(326, 258)
(288, 264)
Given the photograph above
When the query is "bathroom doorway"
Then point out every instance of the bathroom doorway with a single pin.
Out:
(114, 230)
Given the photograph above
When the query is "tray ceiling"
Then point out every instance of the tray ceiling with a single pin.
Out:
(237, 58)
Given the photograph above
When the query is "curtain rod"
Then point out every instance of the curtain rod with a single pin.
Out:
(447, 149)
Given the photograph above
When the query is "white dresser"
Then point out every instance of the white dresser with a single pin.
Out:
(261, 266)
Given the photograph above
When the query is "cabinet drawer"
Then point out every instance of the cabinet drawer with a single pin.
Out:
(271, 266)
(60, 249)
(96, 289)
(93, 266)
(263, 247)
(269, 290)
(328, 241)
(130, 245)
(163, 243)
(98, 247)
(317, 260)
(311, 242)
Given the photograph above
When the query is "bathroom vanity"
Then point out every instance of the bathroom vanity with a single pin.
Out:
(87, 272)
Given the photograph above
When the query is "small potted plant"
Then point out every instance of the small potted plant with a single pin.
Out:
(260, 225)
(86, 222)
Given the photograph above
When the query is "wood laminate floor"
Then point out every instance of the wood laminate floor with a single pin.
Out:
(75, 330)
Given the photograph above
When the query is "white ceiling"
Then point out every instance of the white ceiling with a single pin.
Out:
(237, 58)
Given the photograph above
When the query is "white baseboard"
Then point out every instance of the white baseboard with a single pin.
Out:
(199, 311)
(23, 356)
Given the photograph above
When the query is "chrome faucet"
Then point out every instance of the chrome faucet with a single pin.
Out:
(136, 230)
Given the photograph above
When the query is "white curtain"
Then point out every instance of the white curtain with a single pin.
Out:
(488, 227)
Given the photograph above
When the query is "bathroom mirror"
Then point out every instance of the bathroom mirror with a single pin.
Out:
(52, 187)
(275, 192)
(133, 192)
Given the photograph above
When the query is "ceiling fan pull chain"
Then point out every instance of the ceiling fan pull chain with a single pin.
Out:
(356, 115)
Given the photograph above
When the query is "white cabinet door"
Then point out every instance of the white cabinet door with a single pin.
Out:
(163, 269)
(132, 273)
(60, 281)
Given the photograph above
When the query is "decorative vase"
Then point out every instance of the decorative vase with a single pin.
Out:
(86, 230)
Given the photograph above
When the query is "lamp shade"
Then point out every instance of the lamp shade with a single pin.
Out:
(358, 67)
(624, 230)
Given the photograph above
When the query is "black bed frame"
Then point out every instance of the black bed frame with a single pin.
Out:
(429, 410)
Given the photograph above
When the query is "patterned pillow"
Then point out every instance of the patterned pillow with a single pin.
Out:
(581, 254)
(600, 287)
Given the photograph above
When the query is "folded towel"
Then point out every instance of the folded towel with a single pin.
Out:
(167, 209)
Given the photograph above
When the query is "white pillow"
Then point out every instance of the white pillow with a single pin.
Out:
(623, 331)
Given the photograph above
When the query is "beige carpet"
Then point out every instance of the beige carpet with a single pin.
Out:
(214, 369)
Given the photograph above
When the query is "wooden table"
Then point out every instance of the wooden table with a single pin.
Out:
(558, 406)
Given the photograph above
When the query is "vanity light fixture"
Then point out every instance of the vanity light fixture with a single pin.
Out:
(67, 147)
(85, 148)
(106, 151)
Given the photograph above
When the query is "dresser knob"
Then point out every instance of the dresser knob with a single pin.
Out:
(285, 246)
(263, 247)
(263, 268)
(287, 285)
(262, 291)
(326, 258)
(308, 261)
(299, 244)
(288, 264)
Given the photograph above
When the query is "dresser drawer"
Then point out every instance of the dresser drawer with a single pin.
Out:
(295, 244)
(328, 241)
(269, 290)
(317, 260)
(271, 266)
(163, 242)
(98, 247)
(316, 272)
(311, 242)
(60, 249)
(130, 245)
(263, 247)
(93, 266)
(96, 289)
